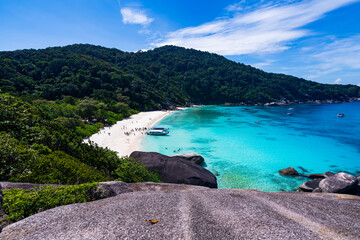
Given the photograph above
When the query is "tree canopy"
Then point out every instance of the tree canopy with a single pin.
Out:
(148, 80)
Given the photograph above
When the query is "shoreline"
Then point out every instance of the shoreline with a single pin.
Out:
(125, 136)
(115, 139)
(291, 102)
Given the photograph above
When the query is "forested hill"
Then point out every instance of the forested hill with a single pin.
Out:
(145, 80)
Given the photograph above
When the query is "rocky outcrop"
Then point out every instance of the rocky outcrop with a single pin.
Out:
(2, 215)
(107, 189)
(339, 183)
(197, 213)
(192, 157)
(162, 187)
(310, 186)
(176, 169)
(24, 186)
(328, 174)
(332, 183)
(316, 176)
(290, 171)
(1, 197)
(113, 188)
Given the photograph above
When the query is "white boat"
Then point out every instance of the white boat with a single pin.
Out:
(160, 128)
(156, 132)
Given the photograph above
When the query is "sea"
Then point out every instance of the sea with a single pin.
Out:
(246, 146)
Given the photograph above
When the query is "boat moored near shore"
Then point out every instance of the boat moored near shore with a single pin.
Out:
(157, 132)
(160, 128)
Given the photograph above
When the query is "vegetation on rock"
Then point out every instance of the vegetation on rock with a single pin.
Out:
(19, 204)
(131, 171)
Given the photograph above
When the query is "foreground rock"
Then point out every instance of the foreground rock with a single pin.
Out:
(113, 188)
(290, 171)
(192, 212)
(24, 186)
(176, 169)
(162, 187)
(1, 197)
(108, 189)
(339, 183)
(2, 214)
(192, 157)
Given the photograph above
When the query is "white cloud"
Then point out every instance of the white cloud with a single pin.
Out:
(255, 4)
(335, 56)
(341, 53)
(338, 81)
(235, 7)
(358, 84)
(270, 28)
(135, 16)
(263, 64)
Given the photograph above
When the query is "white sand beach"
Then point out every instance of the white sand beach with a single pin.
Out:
(125, 136)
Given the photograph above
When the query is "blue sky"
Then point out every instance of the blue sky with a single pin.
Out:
(318, 40)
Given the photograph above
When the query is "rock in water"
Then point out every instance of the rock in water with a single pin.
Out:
(290, 171)
(316, 176)
(310, 185)
(176, 169)
(192, 157)
(339, 183)
(329, 174)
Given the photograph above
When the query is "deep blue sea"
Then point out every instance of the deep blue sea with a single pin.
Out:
(247, 145)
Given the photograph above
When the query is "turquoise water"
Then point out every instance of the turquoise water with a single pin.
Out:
(247, 146)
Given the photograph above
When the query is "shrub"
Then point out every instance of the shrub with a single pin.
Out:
(13, 156)
(41, 148)
(19, 204)
(58, 167)
(39, 164)
(86, 130)
(130, 170)
(102, 159)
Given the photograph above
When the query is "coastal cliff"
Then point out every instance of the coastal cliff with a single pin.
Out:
(194, 212)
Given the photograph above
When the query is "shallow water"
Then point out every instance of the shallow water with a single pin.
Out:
(247, 146)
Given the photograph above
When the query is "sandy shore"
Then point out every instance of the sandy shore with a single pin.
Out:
(125, 136)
